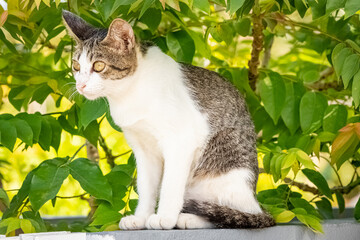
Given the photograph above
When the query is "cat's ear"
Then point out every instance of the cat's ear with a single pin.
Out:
(78, 29)
(120, 35)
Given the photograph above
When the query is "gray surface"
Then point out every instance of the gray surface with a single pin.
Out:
(338, 229)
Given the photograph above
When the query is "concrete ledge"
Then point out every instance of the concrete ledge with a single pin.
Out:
(338, 229)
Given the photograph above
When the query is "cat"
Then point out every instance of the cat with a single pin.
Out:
(189, 128)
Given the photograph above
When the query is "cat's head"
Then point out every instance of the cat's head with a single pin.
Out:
(101, 56)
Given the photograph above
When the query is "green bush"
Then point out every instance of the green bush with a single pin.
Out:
(304, 98)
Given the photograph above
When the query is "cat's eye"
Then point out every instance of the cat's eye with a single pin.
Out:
(76, 65)
(98, 66)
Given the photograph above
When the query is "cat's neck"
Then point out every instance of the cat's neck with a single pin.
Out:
(153, 73)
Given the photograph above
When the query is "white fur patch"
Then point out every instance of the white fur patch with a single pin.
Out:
(231, 189)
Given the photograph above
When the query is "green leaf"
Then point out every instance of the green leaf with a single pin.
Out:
(353, 45)
(56, 130)
(92, 133)
(290, 111)
(301, 7)
(235, 5)
(92, 110)
(351, 7)
(284, 217)
(339, 60)
(91, 179)
(26, 226)
(341, 202)
(41, 93)
(45, 136)
(152, 18)
(8, 134)
(119, 4)
(181, 45)
(60, 49)
(356, 89)
(47, 181)
(18, 199)
(275, 166)
(14, 92)
(312, 108)
(304, 159)
(200, 45)
(4, 197)
(350, 67)
(326, 136)
(34, 121)
(266, 163)
(318, 8)
(335, 117)
(325, 208)
(242, 27)
(344, 145)
(133, 204)
(146, 5)
(357, 210)
(318, 179)
(310, 76)
(225, 32)
(12, 225)
(301, 203)
(337, 50)
(310, 221)
(105, 214)
(119, 182)
(289, 160)
(273, 94)
(111, 121)
(8, 44)
(332, 5)
(23, 130)
(203, 5)
(35, 220)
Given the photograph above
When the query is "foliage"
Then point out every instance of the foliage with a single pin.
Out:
(305, 102)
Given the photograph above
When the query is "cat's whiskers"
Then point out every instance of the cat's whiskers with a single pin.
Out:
(73, 95)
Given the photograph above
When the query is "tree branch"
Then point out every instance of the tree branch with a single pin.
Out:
(109, 156)
(257, 45)
(302, 186)
(69, 197)
(92, 152)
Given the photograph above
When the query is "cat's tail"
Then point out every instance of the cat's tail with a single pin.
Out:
(225, 217)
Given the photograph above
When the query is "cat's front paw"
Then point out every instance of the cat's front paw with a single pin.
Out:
(132, 223)
(156, 221)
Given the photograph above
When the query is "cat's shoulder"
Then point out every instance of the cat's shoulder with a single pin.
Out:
(202, 79)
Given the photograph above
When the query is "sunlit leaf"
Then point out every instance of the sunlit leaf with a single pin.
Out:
(181, 46)
(335, 117)
(91, 179)
(344, 145)
(273, 93)
(351, 7)
(8, 134)
(312, 108)
(350, 67)
(47, 181)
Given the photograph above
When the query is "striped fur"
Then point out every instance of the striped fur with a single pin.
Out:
(225, 217)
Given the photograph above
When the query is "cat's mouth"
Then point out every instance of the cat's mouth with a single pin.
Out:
(88, 95)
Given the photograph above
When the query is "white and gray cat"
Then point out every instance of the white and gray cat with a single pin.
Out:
(190, 131)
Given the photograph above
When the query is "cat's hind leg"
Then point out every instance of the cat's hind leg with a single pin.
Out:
(192, 221)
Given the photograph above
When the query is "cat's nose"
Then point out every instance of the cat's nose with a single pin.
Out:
(81, 86)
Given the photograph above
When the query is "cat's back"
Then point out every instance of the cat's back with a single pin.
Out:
(217, 98)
